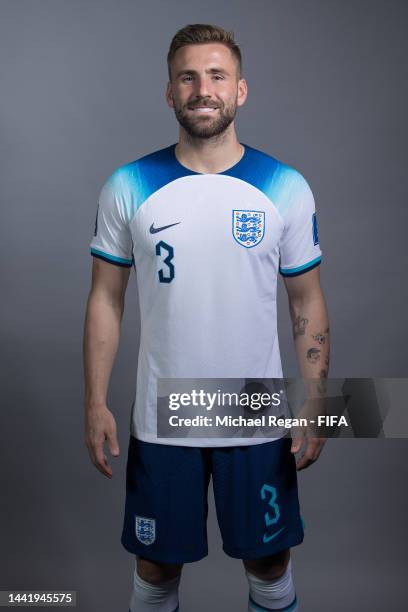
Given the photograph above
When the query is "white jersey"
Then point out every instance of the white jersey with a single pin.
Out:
(206, 249)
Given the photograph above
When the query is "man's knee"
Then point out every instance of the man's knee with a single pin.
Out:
(271, 567)
(155, 572)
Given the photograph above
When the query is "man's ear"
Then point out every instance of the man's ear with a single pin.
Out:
(242, 92)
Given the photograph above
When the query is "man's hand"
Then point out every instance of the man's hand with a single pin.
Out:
(310, 411)
(100, 425)
(313, 449)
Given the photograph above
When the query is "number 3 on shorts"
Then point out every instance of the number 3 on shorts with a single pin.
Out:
(270, 491)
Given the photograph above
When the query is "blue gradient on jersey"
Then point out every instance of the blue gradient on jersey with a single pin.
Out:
(279, 182)
(141, 178)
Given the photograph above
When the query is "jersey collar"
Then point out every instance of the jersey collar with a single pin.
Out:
(229, 171)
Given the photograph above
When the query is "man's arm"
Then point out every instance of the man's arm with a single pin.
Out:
(311, 334)
(100, 343)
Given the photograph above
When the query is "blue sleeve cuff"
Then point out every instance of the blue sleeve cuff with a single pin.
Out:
(119, 261)
(301, 269)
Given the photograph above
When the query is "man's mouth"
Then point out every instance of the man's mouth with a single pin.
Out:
(203, 109)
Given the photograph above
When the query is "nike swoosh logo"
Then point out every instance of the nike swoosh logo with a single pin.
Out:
(271, 537)
(154, 230)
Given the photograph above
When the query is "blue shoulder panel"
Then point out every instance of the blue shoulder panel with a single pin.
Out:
(148, 174)
(279, 182)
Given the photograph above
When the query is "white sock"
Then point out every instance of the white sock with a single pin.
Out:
(278, 594)
(147, 597)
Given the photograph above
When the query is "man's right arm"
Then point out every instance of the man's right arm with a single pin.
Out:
(100, 343)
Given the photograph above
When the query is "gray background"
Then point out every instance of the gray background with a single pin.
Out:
(82, 91)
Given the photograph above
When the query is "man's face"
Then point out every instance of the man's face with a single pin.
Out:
(205, 90)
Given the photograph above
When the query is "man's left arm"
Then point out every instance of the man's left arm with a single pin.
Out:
(311, 335)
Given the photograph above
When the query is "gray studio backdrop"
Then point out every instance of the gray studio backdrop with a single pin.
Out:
(82, 91)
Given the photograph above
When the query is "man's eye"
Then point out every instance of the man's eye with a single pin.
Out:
(218, 77)
(186, 78)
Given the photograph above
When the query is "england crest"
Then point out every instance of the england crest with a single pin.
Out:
(248, 227)
(145, 530)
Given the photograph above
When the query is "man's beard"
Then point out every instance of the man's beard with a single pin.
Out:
(204, 126)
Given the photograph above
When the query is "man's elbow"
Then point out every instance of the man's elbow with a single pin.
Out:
(310, 298)
(100, 299)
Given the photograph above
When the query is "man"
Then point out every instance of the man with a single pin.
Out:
(206, 223)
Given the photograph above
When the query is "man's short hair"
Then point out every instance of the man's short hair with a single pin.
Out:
(199, 33)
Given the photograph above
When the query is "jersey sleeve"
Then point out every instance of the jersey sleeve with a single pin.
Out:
(112, 239)
(299, 246)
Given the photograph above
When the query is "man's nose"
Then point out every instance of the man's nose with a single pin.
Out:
(203, 87)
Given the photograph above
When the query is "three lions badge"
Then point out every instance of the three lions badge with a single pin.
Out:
(145, 530)
(248, 227)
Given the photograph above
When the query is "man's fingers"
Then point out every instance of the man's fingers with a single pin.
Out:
(311, 454)
(302, 463)
(306, 459)
(98, 458)
(100, 426)
(102, 464)
(113, 443)
(296, 445)
(298, 436)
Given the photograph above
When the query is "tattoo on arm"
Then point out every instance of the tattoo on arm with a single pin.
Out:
(313, 355)
(299, 326)
(320, 337)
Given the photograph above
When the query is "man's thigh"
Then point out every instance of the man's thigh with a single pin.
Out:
(256, 497)
(166, 502)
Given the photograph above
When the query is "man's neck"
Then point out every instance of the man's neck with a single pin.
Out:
(210, 155)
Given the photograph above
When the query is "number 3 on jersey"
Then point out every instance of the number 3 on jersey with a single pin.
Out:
(166, 275)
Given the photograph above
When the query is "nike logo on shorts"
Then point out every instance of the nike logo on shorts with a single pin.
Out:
(267, 538)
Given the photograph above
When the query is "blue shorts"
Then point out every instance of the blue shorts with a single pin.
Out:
(255, 491)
